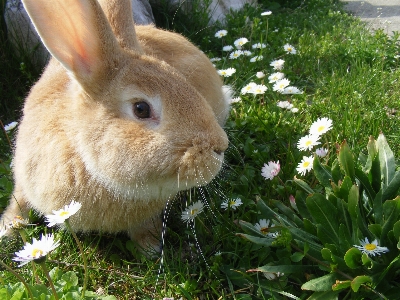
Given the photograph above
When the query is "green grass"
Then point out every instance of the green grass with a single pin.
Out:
(347, 73)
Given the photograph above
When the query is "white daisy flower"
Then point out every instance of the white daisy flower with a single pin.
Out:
(258, 89)
(259, 46)
(294, 110)
(277, 64)
(227, 48)
(248, 88)
(256, 58)
(305, 165)
(289, 49)
(235, 54)
(235, 100)
(260, 75)
(285, 105)
(227, 72)
(292, 90)
(18, 223)
(321, 126)
(214, 59)
(263, 226)
(321, 152)
(280, 85)
(266, 13)
(240, 42)
(10, 126)
(247, 53)
(38, 249)
(192, 211)
(308, 142)
(221, 33)
(59, 216)
(233, 203)
(274, 77)
(371, 248)
(270, 170)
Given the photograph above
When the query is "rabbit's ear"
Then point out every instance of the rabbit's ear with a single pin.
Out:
(119, 14)
(76, 33)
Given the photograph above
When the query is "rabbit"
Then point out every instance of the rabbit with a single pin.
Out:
(122, 119)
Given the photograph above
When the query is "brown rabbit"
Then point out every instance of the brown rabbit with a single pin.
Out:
(119, 121)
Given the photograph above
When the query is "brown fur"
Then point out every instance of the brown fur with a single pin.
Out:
(78, 141)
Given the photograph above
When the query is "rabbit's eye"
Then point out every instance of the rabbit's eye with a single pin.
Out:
(142, 110)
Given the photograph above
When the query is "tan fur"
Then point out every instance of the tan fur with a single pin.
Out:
(77, 140)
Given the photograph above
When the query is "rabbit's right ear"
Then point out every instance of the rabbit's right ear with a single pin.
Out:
(76, 33)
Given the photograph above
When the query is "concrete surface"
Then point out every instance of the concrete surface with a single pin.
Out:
(383, 14)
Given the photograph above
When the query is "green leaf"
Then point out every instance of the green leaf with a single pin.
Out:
(320, 284)
(345, 187)
(287, 269)
(265, 210)
(363, 178)
(391, 190)
(336, 173)
(396, 230)
(249, 228)
(70, 279)
(309, 227)
(327, 254)
(344, 236)
(386, 159)
(352, 258)
(372, 153)
(325, 215)
(301, 205)
(391, 213)
(266, 241)
(287, 212)
(303, 185)
(346, 161)
(358, 281)
(340, 285)
(376, 230)
(375, 174)
(328, 295)
(322, 172)
(378, 210)
(297, 256)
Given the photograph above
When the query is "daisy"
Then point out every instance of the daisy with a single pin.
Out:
(260, 75)
(285, 105)
(294, 110)
(192, 211)
(59, 216)
(214, 59)
(292, 90)
(308, 142)
(233, 203)
(236, 54)
(10, 126)
(264, 228)
(227, 72)
(305, 165)
(240, 42)
(37, 250)
(248, 88)
(321, 152)
(266, 13)
(256, 58)
(258, 89)
(274, 77)
(18, 223)
(289, 49)
(272, 276)
(280, 85)
(221, 33)
(371, 248)
(235, 100)
(259, 46)
(247, 53)
(270, 170)
(277, 64)
(227, 48)
(321, 126)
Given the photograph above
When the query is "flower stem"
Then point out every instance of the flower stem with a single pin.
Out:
(46, 273)
(85, 279)
(20, 278)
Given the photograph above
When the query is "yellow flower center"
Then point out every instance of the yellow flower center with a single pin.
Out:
(264, 230)
(308, 143)
(232, 203)
(64, 213)
(193, 211)
(289, 49)
(305, 164)
(37, 253)
(370, 247)
(321, 128)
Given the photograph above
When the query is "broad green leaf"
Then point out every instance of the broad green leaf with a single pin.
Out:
(396, 230)
(297, 256)
(328, 295)
(372, 153)
(344, 216)
(320, 284)
(287, 212)
(358, 281)
(391, 190)
(249, 228)
(265, 210)
(257, 240)
(301, 205)
(378, 209)
(322, 172)
(336, 173)
(376, 230)
(375, 174)
(70, 279)
(353, 258)
(325, 215)
(309, 227)
(303, 185)
(327, 254)
(345, 187)
(340, 285)
(363, 178)
(304, 236)
(344, 236)
(391, 213)
(386, 159)
(346, 161)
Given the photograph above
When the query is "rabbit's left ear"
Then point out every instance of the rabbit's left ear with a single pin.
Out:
(76, 33)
